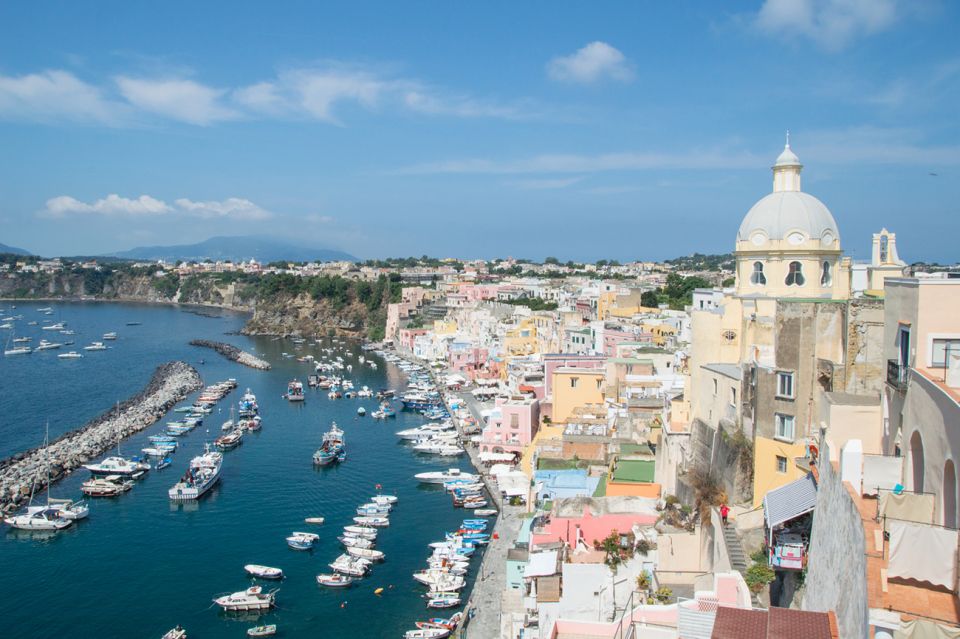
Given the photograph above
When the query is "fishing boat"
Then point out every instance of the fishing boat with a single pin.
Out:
(175, 633)
(439, 622)
(334, 580)
(302, 540)
(109, 486)
(262, 631)
(440, 477)
(443, 600)
(332, 447)
(251, 599)
(366, 553)
(263, 572)
(201, 476)
(376, 522)
(295, 391)
(229, 441)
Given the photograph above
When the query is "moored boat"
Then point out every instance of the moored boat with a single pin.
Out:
(314, 520)
(302, 540)
(263, 572)
(201, 476)
(262, 631)
(334, 580)
(251, 599)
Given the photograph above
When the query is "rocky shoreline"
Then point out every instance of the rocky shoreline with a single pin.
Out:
(233, 353)
(170, 383)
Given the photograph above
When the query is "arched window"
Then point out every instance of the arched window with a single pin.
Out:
(795, 275)
(757, 277)
(826, 275)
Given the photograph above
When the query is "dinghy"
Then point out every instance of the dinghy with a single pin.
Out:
(263, 572)
(262, 631)
(335, 580)
(314, 520)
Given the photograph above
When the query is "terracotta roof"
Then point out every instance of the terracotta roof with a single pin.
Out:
(775, 623)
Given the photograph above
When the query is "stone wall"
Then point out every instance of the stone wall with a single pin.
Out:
(837, 567)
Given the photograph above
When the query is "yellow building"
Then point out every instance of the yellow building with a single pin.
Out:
(522, 340)
(444, 327)
(575, 387)
(775, 464)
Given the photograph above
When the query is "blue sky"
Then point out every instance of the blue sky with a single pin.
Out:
(621, 130)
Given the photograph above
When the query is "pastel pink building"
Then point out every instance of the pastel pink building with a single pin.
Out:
(588, 527)
(613, 337)
(511, 426)
(407, 336)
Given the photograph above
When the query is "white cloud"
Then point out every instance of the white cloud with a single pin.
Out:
(316, 218)
(177, 99)
(113, 204)
(233, 207)
(544, 184)
(832, 24)
(594, 62)
(147, 206)
(55, 96)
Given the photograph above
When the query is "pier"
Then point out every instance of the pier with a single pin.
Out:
(27, 472)
(233, 353)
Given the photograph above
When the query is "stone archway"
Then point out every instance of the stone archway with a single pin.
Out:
(916, 461)
(949, 494)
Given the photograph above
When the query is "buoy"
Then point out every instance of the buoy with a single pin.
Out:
(343, 605)
(378, 591)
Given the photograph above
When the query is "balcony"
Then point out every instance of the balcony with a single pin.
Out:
(897, 374)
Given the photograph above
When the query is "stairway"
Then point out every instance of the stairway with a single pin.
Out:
(738, 561)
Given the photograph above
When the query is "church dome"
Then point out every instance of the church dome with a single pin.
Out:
(785, 213)
(789, 214)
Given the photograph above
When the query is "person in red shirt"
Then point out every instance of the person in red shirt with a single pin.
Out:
(724, 512)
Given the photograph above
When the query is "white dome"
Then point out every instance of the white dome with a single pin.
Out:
(787, 158)
(784, 213)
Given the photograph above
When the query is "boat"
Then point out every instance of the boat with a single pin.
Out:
(44, 345)
(178, 409)
(302, 540)
(376, 522)
(163, 463)
(440, 477)
(118, 466)
(262, 631)
(332, 447)
(295, 391)
(366, 553)
(427, 633)
(109, 486)
(201, 476)
(95, 346)
(384, 499)
(314, 520)
(229, 441)
(18, 350)
(109, 336)
(263, 572)
(334, 580)
(364, 532)
(485, 512)
(347, 565)
(373, 510)
(439, 622)
(59, 326)
(443, 600)
(251, 599)
(355, 542)
(175, 633)
(361, 411)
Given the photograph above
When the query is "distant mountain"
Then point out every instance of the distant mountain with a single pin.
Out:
(242, 248)
(13, 249)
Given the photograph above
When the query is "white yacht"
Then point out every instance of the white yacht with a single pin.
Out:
(252, 598)
(70, 355)
(442, 476)
(109, 336)
(18, 350)
(117, 466)
(59, 326)
(95, 346)
(44, 345)
(203, 474)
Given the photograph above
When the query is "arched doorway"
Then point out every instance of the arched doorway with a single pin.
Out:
(916, 461)
(949, 495)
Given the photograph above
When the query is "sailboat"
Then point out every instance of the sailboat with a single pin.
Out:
(16, 346)
(56, 514)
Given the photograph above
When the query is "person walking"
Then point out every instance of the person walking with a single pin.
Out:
(724, 512)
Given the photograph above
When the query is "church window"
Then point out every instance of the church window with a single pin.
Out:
(826, 277)
(757, 277)
(884, 248)
(795, 275)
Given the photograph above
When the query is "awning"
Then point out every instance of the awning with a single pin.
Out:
(541, 564)
(790, 501)
(496, 457)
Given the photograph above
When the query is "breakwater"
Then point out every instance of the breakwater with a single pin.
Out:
(233, 353)
(27, 471)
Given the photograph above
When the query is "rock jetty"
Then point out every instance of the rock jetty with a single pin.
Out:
(170, 383)
(232, 352)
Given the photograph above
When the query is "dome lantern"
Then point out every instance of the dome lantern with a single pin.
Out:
(786, 170)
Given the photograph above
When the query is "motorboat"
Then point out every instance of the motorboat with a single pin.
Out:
(334, 580)
(251, 599)
(376, 522)
(263, 572)
(18, 350)
(295, 391)
(332, 447)
(262, 631)
(229, 441)
(384, 499)
(41, 518)
(96, 346)
(118, 466)
(109, 336)
(355, 542)
(347, 565)
(175, 633)
(59, 326)
(361, 411)
(366, 553)
(427, 633)
(440, 477)
(163, 463)
(440, 580)
(302, 540)
(201, 476)
(364, 532)
(109, 486)
(70, 355)
(485, 512)
(373, 510)
(314, 520)
(443, 600)
(44, 345)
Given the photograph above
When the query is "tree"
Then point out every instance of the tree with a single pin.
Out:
(551, 260)
(649, 299)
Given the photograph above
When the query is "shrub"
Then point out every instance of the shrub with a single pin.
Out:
(758, 576)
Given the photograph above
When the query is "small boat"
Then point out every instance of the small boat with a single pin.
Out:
(364, 532)
(334, 580)
(485, 512)
(229, 441)
(366, 553)
(443, 600)
(252, 598)
(440, 477)
(109, 336)
(361, 411)
(295, 391)
(118, 466)
(109, 486)
(302, 540)
(262, 631)
(384, 499)
(70, 355)
(314, 520)
(263, 572)
(163, 463)
(355, 542)
(427, 633)
(347, 565)
(175, 633)
(376, 522)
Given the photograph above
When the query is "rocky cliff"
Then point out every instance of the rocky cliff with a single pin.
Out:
(302, 315)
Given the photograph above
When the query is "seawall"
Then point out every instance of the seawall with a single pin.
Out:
(231, 352)
(171, 382)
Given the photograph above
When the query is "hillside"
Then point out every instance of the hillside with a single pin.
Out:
(14, 250)
(236, 249)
